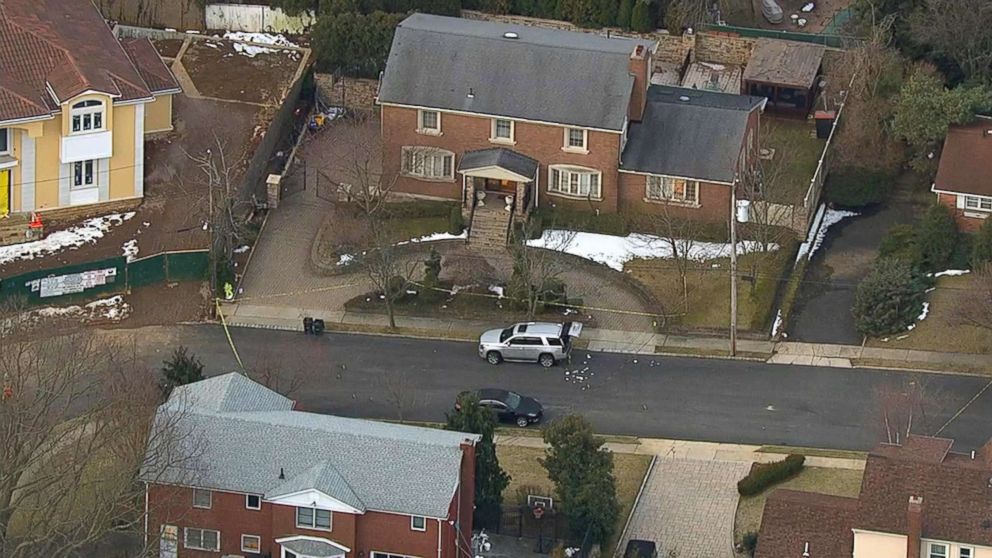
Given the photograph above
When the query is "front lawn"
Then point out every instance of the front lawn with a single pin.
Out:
(823, 480)
(797, 152)
(527, 472)
(942, 329)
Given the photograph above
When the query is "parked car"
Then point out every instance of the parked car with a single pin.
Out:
(771, 10)
(543, 342)
(638, 548)
(509, 406)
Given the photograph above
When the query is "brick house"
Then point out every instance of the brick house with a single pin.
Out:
(964, 181)
(537, 116)
(269, 480)
(917, 500)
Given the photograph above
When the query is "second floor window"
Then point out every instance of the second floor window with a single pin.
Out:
(678, 190)
(575, 139)
(430, 122)
(937, 550)
(253, 501)
(201, 498)
(4, 141)
(87, 116)
(313, 518)
(418, 523)
(429, 163)
(202, 539)
(575, 181)
(502, 130)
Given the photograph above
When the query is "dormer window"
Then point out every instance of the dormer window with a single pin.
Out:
(87, 116)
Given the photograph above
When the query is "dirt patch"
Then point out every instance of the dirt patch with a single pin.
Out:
(219, 71)
(817, 21)
(168, 48)
(187, 302)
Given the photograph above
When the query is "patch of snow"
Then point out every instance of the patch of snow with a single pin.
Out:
(72, 238)
(951, 272)
(261, 38)
(808, 7)
(901, 337)
(345, 259)
(924, 312)
(242, 249)
(615, 251)
(131, 249)
(497, 290)
(434, 237)
(778, 323)
(824, 219)
(113, 308)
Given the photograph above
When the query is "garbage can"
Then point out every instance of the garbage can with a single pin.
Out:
(824, 123)
(318, 326)
(308, 325)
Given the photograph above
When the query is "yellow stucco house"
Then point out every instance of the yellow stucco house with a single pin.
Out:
(76, 105)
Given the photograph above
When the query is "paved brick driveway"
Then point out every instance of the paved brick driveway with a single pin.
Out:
(688, 507)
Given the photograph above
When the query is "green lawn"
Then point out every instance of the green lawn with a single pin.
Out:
(836, 482)
(797, 152)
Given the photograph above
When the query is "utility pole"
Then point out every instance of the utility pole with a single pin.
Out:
(733, 269)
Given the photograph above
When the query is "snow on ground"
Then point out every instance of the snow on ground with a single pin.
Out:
(263, 38)
(88, 232)
(242, 249)
(824, 219)
(923, 315)
(497, 290)
(615, 251)
(113, 308)
(778, 323)
(130, 249)
(951, 273)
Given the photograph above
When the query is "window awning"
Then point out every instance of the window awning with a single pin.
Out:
(498, 163)
(312, 547)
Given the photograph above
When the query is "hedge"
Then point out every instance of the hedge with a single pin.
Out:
(764, 475)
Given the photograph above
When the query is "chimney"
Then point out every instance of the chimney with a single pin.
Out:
(914, 526)
(639, 66)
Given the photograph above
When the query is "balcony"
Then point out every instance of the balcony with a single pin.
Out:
(83, 147)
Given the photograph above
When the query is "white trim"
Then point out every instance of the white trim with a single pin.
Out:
(486, 115)
(567, 145)
(308, 498)
(139, 150)
(293, 538)
(426, 152)
(573, 169)
(28, 155)
(495, 172)
(428, 131)
(257, 537)
(933, 188)
(313, 525)
(209, 492)
(139, 101)
(673, 200)
(4, 130)
(99, 107)
(186, 538)
(248, 507)
(7, 162)
(30, 119)
(414, 527)
(697, 179)
(87, 92)
(493, 138)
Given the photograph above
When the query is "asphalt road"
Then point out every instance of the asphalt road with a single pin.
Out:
(683, 398)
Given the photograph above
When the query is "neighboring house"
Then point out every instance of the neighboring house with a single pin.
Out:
(964, 176)
(553, 117)
(265, 479)
(75, 106)
(918, 500)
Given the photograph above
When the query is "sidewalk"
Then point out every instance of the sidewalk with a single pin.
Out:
(635, 342)
(698, 451)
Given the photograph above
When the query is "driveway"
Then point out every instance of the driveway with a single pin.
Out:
(823, 307)
(688, 508)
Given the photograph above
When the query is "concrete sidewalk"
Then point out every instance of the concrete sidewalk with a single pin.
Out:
(245, 314)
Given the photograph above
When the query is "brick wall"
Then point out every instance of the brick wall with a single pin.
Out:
(965, 223)
(461, 133)
(714, 200)
(674, 48)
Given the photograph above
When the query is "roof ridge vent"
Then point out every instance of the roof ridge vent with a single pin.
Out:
(511, 35)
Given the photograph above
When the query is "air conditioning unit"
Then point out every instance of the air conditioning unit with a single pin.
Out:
(546, 502)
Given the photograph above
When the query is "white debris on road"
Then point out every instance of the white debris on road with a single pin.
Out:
(88, 232)
(114, 309)
(824, 219)
(615, 251)
(262, 38)
(130, 249)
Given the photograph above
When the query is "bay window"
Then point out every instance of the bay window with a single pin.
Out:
(428, 163)
(575, 181)
(668, 189)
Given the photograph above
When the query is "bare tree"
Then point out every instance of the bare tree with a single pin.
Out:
(75, 423)
(908, 407)
(284, 380)
(535, 268)
(399, 385)
(976, 309)
(227, 211)
(679, 234)
(961, 30)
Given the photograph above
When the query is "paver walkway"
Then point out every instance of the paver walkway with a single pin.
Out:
(688, 508)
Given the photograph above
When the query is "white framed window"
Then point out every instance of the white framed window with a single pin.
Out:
(251, 543)
(418, 523)
(202, 498)
(428, 163)
(375, 554)
(429, 122)
(201, 539)
(313, 518)
(502, 130)
(937, 550)
(576, 139)
(84, 176)
(253, 501)
(5, 141)
(668, 189)
(979, 203)
(966, 552)
(575, 181)
(87, 116)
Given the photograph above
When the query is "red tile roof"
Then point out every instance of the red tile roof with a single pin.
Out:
(64, 47)
(966, 161)
(793, 519)
(146, 59)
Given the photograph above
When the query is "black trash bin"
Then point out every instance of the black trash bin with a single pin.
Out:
(308, 325)
(318, 326)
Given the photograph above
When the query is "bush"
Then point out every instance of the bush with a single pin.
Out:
(900, 243)
(937, 238)
(640, 17)
(981, 246)
(764, 475)
(857, 187)
(456, 223)
(749, 542)
(354, 43)
(888, 299)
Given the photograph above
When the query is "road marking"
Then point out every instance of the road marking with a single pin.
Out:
(962, 409)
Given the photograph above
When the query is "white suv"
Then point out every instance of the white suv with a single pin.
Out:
(543, 342)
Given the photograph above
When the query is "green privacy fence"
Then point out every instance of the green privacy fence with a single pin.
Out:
(112, 275)
(826, 39)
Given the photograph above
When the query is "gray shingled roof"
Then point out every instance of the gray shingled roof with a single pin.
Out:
(245, 434)
(689, 133)
(308, 547)
(498, 157)
(548, 75)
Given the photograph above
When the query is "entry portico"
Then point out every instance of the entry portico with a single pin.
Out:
(502, 172)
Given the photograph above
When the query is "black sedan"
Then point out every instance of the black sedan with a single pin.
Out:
(509, 406)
